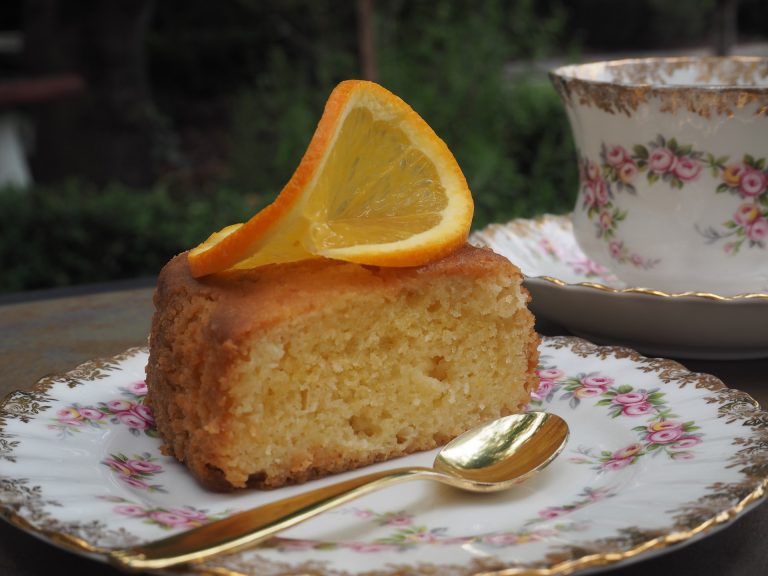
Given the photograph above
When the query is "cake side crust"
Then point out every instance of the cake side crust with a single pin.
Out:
(296, 371)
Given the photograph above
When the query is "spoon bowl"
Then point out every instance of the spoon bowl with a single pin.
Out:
(504, 452)
(492, 457)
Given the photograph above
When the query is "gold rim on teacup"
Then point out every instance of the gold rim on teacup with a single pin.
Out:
(720, 86)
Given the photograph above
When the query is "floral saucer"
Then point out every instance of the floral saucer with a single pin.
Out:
(658, 456)
(571, 290)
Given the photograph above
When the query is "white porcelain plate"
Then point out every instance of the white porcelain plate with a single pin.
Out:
(657, 456)
(580, 295)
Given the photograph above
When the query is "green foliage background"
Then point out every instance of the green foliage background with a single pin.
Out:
(73, 233)
(449, 60)
(260, 71)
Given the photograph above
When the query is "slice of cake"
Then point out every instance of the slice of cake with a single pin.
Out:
(286, 372)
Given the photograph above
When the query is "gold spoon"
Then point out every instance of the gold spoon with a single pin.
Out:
(491, 457)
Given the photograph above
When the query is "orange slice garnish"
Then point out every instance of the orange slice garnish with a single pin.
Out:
(375, 186)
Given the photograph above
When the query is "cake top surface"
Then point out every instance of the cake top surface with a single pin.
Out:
(240, 300)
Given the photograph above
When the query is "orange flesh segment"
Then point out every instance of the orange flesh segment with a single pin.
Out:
(375, 186)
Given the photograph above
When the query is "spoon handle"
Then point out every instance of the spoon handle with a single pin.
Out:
(245, 529)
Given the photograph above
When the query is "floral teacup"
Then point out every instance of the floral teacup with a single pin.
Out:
(673, 170)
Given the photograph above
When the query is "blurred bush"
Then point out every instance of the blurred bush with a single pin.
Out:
(75, 233)
(261, 72)
(449, 60)
(240, 85)
(508, 130)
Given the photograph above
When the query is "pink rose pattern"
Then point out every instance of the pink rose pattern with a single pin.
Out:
(548, 524)
(583, 266)
(676, 165)
(128, 411)
(748, 181)
(599, 184)
(166, 518)
(662, 432)
(136, 471)
(405, 535)
(589, 496)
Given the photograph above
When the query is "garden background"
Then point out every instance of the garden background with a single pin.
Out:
(182, 117)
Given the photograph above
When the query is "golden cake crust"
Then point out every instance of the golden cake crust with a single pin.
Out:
(256, 299)
(203, 333)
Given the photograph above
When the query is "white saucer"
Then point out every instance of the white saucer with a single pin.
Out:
(578, 294)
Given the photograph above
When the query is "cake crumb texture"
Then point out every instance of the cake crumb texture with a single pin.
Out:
(288, 372)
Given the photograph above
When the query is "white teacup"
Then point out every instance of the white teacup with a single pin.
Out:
(673, 168)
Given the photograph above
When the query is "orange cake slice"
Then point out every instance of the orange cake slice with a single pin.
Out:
(285, 372)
